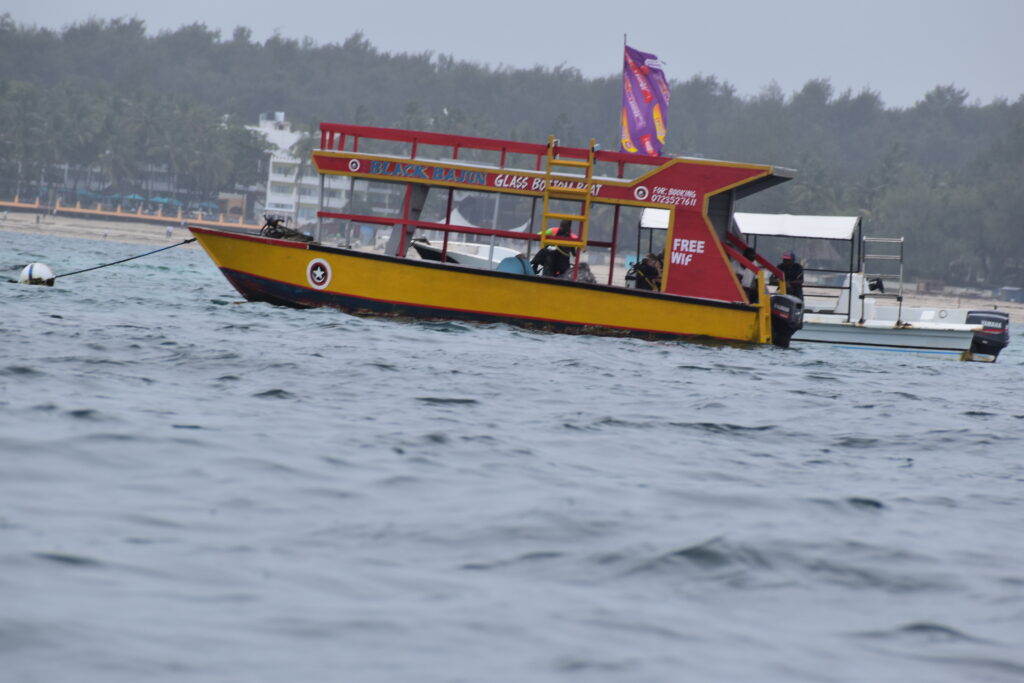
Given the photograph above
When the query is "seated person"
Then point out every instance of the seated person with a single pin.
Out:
(550, 261)
(648, 273)
(553, 261)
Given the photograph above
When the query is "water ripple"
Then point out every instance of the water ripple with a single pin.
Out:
(195, 489)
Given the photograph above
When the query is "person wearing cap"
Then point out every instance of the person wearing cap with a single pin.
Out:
(794, 273)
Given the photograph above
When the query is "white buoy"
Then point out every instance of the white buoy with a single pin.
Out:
(36, 274)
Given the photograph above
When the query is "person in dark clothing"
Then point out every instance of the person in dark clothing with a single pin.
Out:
(553, 261)
(794, 273)
(648, 273)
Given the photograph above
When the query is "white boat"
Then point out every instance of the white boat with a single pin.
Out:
(853, 292)
(472, 254)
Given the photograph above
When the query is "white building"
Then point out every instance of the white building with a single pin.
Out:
(298, 198)
(295, 198)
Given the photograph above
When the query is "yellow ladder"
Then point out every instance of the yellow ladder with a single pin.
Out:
(569, 187)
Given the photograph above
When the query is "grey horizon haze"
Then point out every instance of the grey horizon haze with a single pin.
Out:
(900, 49)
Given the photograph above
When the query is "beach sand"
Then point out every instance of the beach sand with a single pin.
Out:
(166, 233)
(131, 232)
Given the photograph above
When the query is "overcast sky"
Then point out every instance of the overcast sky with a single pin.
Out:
(899, 48)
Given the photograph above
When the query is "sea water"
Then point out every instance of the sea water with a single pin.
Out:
(193, 488)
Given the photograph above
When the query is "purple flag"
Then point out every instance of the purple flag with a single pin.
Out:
(645, 97)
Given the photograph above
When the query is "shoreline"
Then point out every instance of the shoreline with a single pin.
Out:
(166, 232)
(129, 232)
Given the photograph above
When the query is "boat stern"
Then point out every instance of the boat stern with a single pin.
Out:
(993, 337)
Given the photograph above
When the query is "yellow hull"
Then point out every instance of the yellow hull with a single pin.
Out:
(304, 275)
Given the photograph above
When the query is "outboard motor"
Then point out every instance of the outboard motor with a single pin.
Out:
(787, 318)
(995, 332)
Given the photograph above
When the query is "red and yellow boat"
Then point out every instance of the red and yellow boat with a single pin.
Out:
(699, 296)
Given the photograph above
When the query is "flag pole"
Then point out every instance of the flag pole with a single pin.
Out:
(622, 70)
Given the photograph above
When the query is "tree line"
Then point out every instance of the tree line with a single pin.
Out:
(105, 94)
(62, 139)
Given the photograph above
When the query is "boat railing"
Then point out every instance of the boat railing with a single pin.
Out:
(584, 187)
(389, 221)
(759, 262)
(827, 290)
(487, 154)
(340, 137)
(884, 251)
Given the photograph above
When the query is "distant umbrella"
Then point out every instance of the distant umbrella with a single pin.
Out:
(134, 198)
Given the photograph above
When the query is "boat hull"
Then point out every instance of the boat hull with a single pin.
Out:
(307, 275)
(952, 342)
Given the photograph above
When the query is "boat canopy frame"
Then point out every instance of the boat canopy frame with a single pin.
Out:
(702, 191)
(848, 229)
(344, 137)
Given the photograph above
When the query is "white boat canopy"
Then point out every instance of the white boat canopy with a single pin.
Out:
(788, 225)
